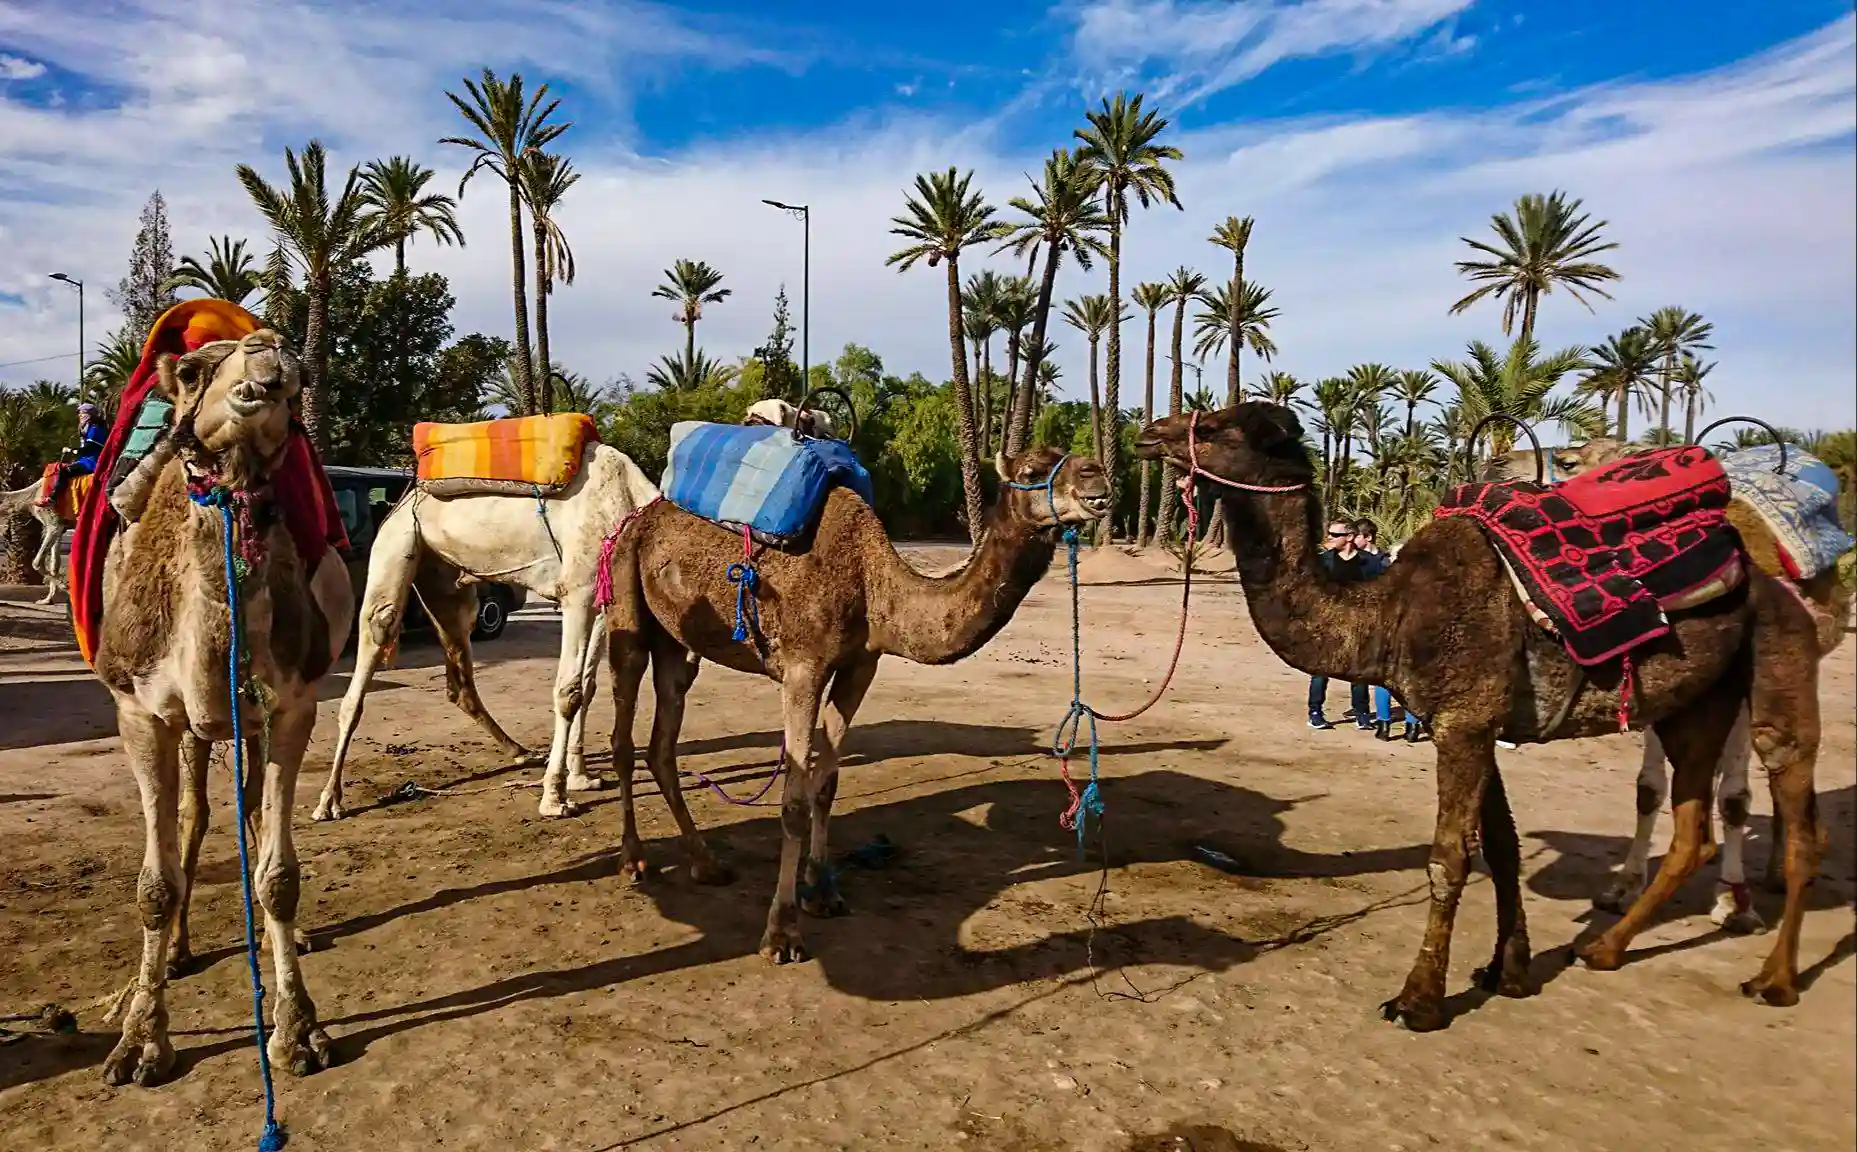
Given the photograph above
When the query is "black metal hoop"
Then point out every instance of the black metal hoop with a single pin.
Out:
(1470, 447)
(1771, 431)
(829, 390)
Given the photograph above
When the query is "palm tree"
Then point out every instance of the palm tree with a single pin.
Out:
(1150, 297)
(1690, 373)
(1621, 370)
(1677, 332)
(1234, 235)
(1018, 299)
(1182, 286)
(692, 284)
(945, 215)
(1092, 316)
(1212, 328)
(508, 128)
(1283, 388)
(1119, 151)
(1519, 385)
(1547, 242)
(317, 237)
(1062, 215)
(228, 272)
(396, 189)
(980, 321)
(546, 178)
(1334, 419)
(1370, 383)
(1415, 386)
(689, 373)
(110, 367)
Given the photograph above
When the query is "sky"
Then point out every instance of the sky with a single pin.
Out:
(1717, 140)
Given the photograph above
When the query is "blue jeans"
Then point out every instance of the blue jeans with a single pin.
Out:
(1318, 696)
(1382, 705)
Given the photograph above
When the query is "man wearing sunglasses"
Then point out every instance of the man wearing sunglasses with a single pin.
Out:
(1345, 563)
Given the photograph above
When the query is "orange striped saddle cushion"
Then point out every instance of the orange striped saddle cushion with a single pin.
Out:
(522, 455)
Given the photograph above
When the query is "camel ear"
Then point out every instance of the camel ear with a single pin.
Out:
(169, 375)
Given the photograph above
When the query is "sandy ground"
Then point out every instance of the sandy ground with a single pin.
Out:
(490, 983)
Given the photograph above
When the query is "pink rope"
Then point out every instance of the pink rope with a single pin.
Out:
(603, 575)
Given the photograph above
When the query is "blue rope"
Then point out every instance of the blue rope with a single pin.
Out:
(744, 577)
(273, 1138)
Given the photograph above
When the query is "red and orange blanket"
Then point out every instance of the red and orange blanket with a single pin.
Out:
(1603, 555)
(300, 488)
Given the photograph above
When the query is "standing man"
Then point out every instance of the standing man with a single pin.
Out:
(1345, 563)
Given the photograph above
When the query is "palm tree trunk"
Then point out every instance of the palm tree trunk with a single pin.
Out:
(525, 355)
(1689, 416)
(545, 386)
(1109, 441)
(986, 401)
(399, 254)
(1233, 390)
(1624, 413)
(1175, 398)
(1147, 417)
(1022, 414)
(964, 404)
(1412, 408)
(1665, 371)
(1096, 409)
(689, 336)
(1012, 387)
(1529, 302)
(316, 352)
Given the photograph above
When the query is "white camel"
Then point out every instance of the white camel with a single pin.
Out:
(552, 546)
(52, 528)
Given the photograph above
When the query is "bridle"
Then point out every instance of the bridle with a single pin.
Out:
(1194, 469)
(1048, 487)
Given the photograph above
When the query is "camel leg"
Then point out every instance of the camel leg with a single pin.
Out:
(194, 756)
(1653, 790)
(672, 674)
(1508, 972)
(578, 779)
(627, 654)
(577, 625)
(849, 684)
(51, 534)
(382, 617)
(452, 608)
(1785, 730)
(1692, 738)
(800, 690)
(297, 1042)
(144, 1054)
(1466, 761)
(1734, 906)
(1775, 877)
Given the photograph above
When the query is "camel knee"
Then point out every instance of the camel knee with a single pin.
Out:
(383, 624)
(1777, 750)
(157, 896)
(568, 696)
(280, 886)
(1734, 809)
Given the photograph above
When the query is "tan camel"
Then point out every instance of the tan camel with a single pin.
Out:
(163, 654)
(440, 548)
(823, 618)
(1445, 631)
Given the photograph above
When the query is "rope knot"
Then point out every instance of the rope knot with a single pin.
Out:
(742, 574)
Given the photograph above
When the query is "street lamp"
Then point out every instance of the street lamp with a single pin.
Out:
(804, 212)
(79, 285)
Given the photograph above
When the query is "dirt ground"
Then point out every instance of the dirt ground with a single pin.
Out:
(490, 983)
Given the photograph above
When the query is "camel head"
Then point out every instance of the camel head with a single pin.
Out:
(1252, 443)
(781, 414)
(1563, 463)
(1079, 490)
(232, 405)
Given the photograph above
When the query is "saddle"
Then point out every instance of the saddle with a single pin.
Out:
(517, 456)
(1600, 559)
(71, 498)
(761, 479)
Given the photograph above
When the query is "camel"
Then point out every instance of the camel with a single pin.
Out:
(1733, 910)
(54, 521)
(1446, 632)
(163, 653)
(441, 547)
(824, 615)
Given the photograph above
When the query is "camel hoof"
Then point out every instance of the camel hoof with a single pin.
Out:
(1514, 986)
(1424, 1016)
(1620, 896)
(304, 1055)
(303, 942)
(585, 783)
(520, 757)
(711, 873)
(636, 869)
(1600, 956)
(561, 807)
(328, 810)
(144, 1065)
(1738, 921)
(182, 964)
(825, 907)
(783, 947)
(1771, 993)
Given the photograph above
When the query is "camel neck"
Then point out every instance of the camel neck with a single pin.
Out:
(1314, 622)
(941, 619)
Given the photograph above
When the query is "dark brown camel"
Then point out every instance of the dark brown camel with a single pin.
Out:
(1444, 631)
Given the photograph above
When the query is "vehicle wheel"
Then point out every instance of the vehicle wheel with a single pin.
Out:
(492, 618)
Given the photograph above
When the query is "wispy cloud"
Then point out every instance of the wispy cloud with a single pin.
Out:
(1186, 50)
(19, 68)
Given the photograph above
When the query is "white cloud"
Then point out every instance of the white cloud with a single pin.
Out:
(1731, 193)
(19, 68)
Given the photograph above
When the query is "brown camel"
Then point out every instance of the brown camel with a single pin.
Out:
(824, 616)
(163, 652)
(1444, 630)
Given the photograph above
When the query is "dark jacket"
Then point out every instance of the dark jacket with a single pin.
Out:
(1349, 571)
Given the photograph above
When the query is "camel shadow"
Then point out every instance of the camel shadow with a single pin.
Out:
(884, 740)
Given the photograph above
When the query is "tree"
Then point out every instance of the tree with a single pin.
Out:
(227, 273)
(780, 377)
(143, 295)
(1150, 297)
(1234, 235)
(1519, 385)
(1621, 370)
(1416, 386)
(1018, 300)
(1092, 316)
(980, 321)
(1677, 332)
(1182, 286)
(112, 363)
(1118, 149)
(1690, 373)
(395, 189)
(692, 284)
(1370, 384)
(1250, 317)
(1283, 388)
(1548, 242)
(508, 128)
(944, 216)
(689, 373)
(1334, 420)
(317, 237)
(1062, 215)
(545, 181)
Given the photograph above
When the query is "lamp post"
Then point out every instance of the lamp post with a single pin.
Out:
(79, 285)
(804, 211)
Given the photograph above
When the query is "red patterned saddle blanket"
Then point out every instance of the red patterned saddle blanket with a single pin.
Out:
(1603, 555)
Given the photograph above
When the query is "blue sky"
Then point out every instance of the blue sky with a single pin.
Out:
(1365, 136)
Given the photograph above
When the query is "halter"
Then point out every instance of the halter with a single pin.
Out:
(1048, 486)
(1193, 468)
